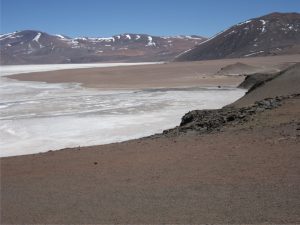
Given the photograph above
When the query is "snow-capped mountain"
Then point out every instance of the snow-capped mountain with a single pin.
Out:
(273, 34)
(34, 47)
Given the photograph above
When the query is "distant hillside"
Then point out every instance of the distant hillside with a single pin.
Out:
(273, 34)
(35, 47)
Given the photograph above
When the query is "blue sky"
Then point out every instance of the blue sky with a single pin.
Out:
(157, 17)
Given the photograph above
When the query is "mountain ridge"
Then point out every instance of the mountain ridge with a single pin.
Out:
(37, 47)
(272, 34)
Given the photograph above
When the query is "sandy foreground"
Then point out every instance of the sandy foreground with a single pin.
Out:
(244, 174)
(183, 74)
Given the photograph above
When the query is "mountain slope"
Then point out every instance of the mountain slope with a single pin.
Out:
(282, 84)
(34, 47)
(273, 34)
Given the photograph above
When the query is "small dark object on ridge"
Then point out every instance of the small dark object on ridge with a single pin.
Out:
(95, 163)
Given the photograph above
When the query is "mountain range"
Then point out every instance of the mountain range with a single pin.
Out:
(36, 47)
(272, 34)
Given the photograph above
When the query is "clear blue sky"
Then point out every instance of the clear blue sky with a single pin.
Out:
(156, 17)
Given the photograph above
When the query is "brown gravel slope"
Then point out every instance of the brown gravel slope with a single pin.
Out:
(245, 174)
(285, 83)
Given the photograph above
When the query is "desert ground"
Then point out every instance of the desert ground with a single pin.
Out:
(245, 174)
(240, 173)
(183, 74)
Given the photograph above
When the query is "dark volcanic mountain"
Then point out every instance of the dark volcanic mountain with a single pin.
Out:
(273, 34)
(35, 47)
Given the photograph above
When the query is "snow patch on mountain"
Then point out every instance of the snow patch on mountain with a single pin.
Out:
(60, 36)
(187, 37)
(231, 32)
(245, 22)
(37, 37)
(254, 53)
(150, 42)
(9, 35)
(263, 24)
(183, 52)
(108, 39)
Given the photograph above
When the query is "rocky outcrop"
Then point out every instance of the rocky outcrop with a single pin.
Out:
(206, 121)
